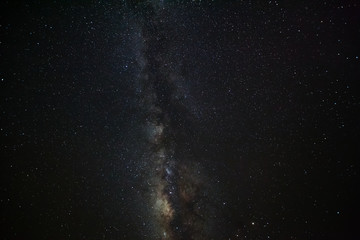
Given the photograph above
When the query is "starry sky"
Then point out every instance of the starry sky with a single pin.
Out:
(179, 120)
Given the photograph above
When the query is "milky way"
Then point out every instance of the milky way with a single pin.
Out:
(177, 187)
(170, 197)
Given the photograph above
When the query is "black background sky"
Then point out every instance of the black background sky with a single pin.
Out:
(269, 90)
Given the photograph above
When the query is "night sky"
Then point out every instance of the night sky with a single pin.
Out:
(179, 120)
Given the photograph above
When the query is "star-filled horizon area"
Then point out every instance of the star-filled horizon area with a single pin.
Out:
(179, 120)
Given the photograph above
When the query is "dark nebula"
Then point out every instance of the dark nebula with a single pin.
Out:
(179, 120)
